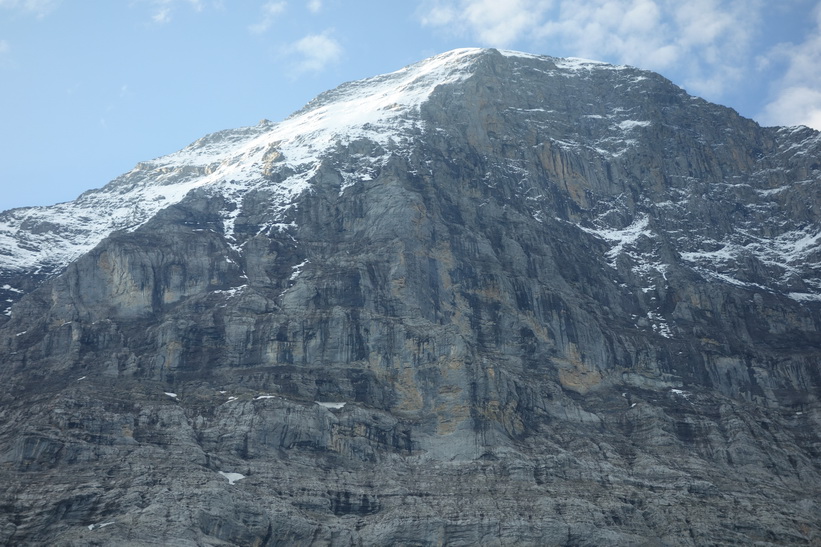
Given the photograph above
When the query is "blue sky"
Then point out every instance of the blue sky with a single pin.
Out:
(88, 88)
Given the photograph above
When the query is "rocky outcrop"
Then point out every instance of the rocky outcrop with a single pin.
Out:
(563, 303)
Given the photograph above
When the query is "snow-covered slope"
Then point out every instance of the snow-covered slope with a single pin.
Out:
(741, 230)
(282, 158)
(230, 162)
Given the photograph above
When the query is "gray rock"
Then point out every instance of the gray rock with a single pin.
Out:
(566, 304)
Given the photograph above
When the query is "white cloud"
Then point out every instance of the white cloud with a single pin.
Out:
(438, 16)
(4, 47)
(794, 105)
(162, 16)
(315, 52)
(716, 36)
(269, 13)
(38, 8)
(707, 41)
(315, 6)
(621, 31)
(164, 9)
(495, 23)
(501, 23)
(798, 93)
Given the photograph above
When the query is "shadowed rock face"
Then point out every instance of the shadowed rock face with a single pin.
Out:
(567, 304)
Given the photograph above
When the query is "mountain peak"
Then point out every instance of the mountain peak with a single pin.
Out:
(232, 161)
(567, 104)
(490, 298)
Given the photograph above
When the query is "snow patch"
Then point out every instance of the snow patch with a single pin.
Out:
(724, 254)
(232, 163)
(791, 252)
(772, 191)
(297, 269)
(628, 125)
(622, 237)
(233, 291)
(335, 406)
(804, 297)
(659, 325)
(232, 477)
(511, 53)
(576, 64)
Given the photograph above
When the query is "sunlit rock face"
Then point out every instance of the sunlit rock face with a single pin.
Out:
(492, 298)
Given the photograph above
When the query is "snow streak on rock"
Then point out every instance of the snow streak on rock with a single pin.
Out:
(282, 160)
(230, 163)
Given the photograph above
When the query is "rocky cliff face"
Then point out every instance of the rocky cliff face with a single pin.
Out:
(492, 298)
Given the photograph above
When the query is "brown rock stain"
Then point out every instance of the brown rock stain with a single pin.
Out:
(575, 374)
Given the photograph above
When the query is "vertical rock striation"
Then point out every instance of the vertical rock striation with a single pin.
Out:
(492, 298)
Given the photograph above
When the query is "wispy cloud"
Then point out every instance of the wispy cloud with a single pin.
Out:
(495, 23)
(269, 13)
(794, 105)
(163, 9)
(315, 52)
(38, 8)
(315, 6)
(709, 41)
(797, 99)
(162, 16)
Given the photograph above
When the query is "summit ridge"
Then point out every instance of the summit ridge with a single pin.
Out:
(231, 161)
(382, 110)
(489, 298)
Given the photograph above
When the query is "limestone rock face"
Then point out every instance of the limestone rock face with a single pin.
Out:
(492, 298)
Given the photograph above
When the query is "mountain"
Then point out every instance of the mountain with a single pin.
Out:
(491, 298)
